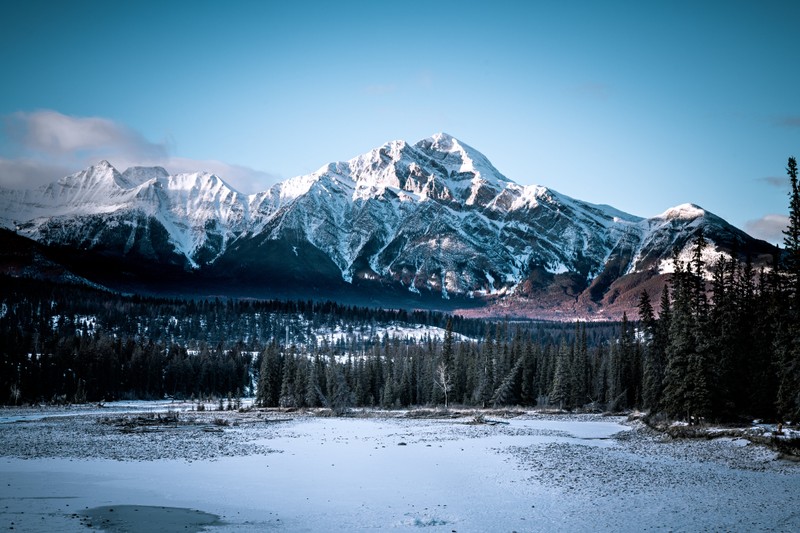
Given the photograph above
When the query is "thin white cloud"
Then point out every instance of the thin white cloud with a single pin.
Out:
(54, 134)
(46, 145)
(769, 228)
(27, 173)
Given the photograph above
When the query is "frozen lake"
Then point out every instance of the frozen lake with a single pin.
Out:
(269, 472)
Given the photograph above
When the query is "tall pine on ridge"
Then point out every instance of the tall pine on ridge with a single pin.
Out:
(787, 357)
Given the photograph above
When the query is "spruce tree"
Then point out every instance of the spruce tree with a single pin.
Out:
(791, 240)
(529, 390)
(698, 279)
(485, 369)
(560, 388)
(681, 344)
(287, 394)
(653, 356)
(787, 341)
(580, 368)
(270, 377)
(341, 398)
(627, 368)
(447, 346)
(313, 394)
(504, 393)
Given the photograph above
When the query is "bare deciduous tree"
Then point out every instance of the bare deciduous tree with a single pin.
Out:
(15, 393)
(442, 380)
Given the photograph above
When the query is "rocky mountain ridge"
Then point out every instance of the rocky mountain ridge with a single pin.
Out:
(433, 220)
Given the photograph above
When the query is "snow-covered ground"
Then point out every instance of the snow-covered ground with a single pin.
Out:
(286, 471)
(399, 331)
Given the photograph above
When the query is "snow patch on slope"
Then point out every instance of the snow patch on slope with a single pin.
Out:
(710, 258)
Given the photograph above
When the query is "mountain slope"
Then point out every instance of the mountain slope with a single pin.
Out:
(142, 213)
(432, 221)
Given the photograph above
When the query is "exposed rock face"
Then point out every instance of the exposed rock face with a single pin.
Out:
(434, 218)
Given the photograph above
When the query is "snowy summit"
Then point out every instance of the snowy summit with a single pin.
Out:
(434, 217)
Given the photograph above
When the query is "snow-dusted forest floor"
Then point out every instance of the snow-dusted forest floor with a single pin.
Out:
(145, 466)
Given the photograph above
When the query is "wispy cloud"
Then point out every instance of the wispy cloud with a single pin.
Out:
(789, 121)
(776, 181)
(54, 134)
(769, 227)
(29, 173)
(43, 146)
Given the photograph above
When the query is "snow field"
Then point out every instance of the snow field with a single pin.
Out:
(293, 472)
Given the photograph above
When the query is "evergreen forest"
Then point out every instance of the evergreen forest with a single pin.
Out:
(723, 343)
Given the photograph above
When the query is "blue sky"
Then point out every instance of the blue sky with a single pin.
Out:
(641, 105)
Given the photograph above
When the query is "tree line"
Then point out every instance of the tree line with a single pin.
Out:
(724, 343)
(509, 366)
(69, 343)
(732, 348)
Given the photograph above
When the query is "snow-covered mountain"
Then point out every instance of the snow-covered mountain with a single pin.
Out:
(183, 218)
(434, 218)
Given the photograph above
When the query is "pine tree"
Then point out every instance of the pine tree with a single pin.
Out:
(302, 371)
(313, 394)
(787, 340)
(698, 398)
(680, 345)
(388, 394)
(504, 393)
(627, 366)
(485, 372)
(698, 279)
(529, 371)
(686, 383)
(653, 356)
(406, 388)
(270, 377)
(580, 368)
(791, 240)
(447, 346)
(560, 388)
(287, 395)
(460, 372)
(341, 397)
(614, 391)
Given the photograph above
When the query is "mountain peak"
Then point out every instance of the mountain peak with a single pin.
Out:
(442, 138)
(460, 158)
(444, 142)
(101, 173)
(683, 212)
